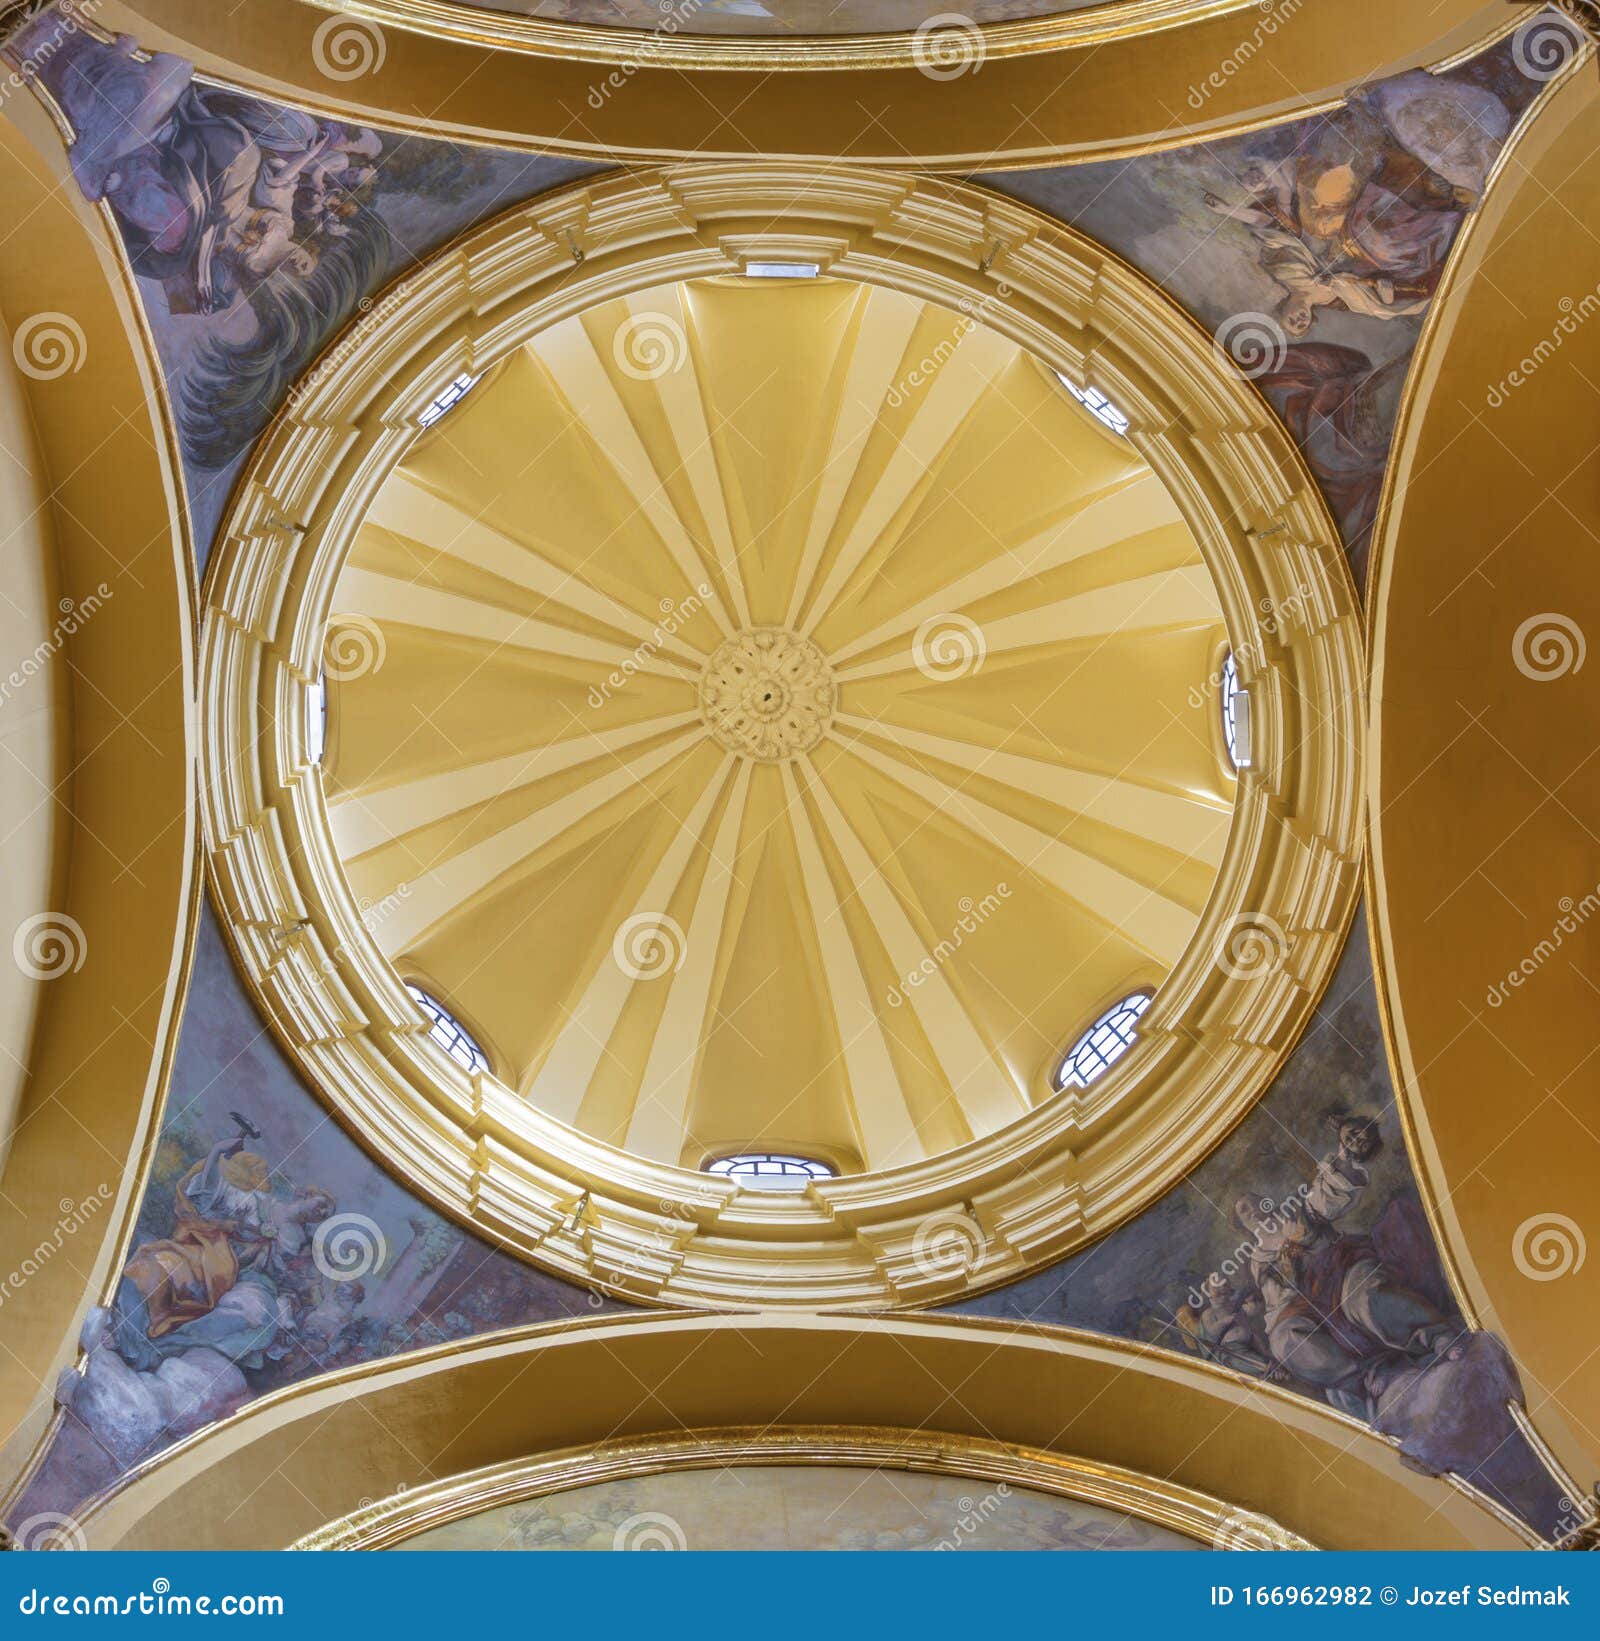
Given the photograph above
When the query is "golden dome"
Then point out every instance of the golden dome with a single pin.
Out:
(790, 729)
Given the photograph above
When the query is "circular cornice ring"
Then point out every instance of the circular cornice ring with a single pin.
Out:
(1075, 1166)
(630, 49)
(388, 1522)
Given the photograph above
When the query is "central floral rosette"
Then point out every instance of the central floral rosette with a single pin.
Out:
(767, 693)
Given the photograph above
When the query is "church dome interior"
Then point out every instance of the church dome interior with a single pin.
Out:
(743, 641)
(791, 776)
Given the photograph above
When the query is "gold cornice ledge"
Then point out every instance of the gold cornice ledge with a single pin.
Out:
(1071, 1169)
(1077, 100)
(549, 37)
(325, 1449)
(391, 1521)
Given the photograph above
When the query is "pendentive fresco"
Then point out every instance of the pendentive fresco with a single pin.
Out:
(270, 1249)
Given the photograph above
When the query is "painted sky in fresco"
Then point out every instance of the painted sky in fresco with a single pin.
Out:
(257, 232)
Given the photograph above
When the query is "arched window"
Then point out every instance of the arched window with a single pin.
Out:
(1235, 714)
(317, 719)
(770, 1170)
(448, 1032)
(1097, 404)
(781, 270)
(448, 400)
(1104, 1043)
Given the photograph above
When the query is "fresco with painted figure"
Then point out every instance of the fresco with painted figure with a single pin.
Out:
(255, 230)
(1312, 250)
(269, 1249)
(1300, 1253)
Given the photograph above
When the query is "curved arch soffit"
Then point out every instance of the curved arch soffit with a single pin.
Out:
(1071, 1169)
(967, 44)
(113, 940)
(401, 1516)
(1495, 1193)
(1100, 1411)
(1089, 97)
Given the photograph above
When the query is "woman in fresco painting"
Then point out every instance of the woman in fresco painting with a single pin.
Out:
(221, 1279)
(195, 1311)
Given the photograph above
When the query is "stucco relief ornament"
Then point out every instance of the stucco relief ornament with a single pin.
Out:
(767, 693)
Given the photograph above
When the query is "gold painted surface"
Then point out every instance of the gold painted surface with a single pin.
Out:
(423, 1518)
(582, 1395)
(1483, 610)
(113, 933)
(746, 34)
(1003, 1202)
(1094, 99)
(785, 18)
(785, 729)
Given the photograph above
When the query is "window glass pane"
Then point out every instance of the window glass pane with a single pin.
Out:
(1104, 1043)
(448, 1032)
(770, 1170)
(1097, 404)
(1235, 714)
(317, 719)
(449, 399)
